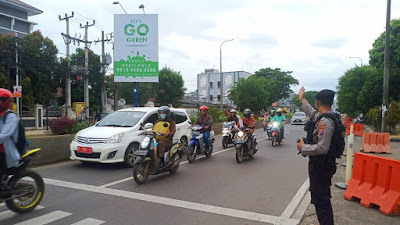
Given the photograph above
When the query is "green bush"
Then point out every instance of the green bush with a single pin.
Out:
(288, 116)
(79, 126)
(216, 114)
(193, 119)
(393, 116)
(374, 117)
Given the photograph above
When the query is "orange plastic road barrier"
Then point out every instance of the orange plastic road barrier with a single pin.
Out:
(376, 142)
(375, 181)
(358, 129)
(348, 121)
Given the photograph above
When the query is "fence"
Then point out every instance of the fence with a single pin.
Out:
(37, 118)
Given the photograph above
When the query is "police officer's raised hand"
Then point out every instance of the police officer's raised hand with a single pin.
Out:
(301, 95)
(300, 144)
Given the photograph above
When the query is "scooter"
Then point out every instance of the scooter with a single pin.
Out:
(196, 144)
(147, 161)
(276, 134)
(22, 189)
(227, 134)
(242, 145)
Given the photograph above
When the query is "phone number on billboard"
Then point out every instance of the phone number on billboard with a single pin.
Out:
(140, 70)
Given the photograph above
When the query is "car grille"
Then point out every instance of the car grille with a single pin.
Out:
(85, 140)
(88, 155)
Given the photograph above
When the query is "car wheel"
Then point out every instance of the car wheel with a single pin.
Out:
(129, 158)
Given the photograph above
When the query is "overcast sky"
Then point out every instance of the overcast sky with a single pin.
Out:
(312, 38)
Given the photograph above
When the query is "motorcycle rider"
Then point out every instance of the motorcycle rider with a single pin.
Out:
(281, 119)
(249, 122)
(234, 117)
(167, 127)
(205, 121)
(9, 154)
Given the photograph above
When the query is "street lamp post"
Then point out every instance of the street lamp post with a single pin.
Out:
(117, 3)
(351, 57)
(142, 7)
(221, 78)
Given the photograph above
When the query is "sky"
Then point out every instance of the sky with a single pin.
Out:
(312, 38)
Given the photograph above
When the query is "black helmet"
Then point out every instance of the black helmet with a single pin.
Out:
(164, 109)
(247, 113)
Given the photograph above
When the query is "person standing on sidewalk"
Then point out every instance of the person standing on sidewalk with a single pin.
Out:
(321, 166)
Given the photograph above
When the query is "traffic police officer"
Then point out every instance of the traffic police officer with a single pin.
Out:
(320, 172)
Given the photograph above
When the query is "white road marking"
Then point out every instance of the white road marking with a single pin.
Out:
(296, 200)
(130, 178)
(10, 214)
(298, 215)
(175, 203)
(45, 219)
(89, 221)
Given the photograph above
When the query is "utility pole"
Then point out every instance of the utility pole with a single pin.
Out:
(86, 77)
(386, 68)
(18, 46)
(67, 41)
(103, 72)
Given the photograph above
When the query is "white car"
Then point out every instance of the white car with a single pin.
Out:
(299, 118)
(116, 137)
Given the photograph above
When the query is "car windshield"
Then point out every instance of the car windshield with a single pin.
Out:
(300, 114)
(121, 119)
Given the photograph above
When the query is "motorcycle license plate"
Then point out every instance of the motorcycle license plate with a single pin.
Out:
(87, 150)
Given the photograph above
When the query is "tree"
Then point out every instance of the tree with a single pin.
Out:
(78, 58)
(170, 88)
(309, 95)
(350, 84)
(376, 55)
(253, 92)
(145, 91)
(281, 81)
(393, 116)
(372, 90)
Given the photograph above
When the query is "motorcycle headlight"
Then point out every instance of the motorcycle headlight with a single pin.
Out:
(145, 143)
(275, 124)
(240, 134)
(116, 138)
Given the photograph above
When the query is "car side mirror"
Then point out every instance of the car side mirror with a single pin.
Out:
(141, 126)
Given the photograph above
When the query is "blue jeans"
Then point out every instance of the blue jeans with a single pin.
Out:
(206, 137)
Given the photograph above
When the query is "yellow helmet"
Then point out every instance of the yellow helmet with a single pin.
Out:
(279, 110)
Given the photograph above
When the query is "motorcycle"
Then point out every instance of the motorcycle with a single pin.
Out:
(146, 157)
(276, 134)
(196, 144)
(227, 134)
(242, 145)
(23, 189)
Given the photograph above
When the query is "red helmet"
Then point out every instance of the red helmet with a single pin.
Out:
(204, 107)
(5, 99)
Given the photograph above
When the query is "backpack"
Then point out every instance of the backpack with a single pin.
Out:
(21, 142)
(337, 146)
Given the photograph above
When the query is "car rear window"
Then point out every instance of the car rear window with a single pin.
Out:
(300, 114)
(179, 117)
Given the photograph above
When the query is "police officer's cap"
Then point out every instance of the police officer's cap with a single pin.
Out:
(325, 96)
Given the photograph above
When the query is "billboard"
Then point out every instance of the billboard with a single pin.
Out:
(136, 48)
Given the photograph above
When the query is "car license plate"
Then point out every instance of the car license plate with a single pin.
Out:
(87, 150)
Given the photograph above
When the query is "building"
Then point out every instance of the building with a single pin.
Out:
(208, 85)
(14, 17)
(289, 101)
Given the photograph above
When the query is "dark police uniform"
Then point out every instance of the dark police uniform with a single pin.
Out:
(320, 172)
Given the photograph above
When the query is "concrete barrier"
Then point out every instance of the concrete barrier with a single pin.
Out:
(54, 148)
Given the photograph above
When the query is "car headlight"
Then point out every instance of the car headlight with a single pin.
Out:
(116, 138)
(145, 143)
(77, 135)
(240, 134)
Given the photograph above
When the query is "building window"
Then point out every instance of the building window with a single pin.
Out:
(219, 97)
(211, 97)
(219, 84)
(211, 84)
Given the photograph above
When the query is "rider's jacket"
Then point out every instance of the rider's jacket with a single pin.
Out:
(250, 123)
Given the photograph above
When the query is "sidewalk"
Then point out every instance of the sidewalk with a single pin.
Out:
(351, 212)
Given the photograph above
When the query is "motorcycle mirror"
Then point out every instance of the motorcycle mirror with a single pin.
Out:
(141, 126)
